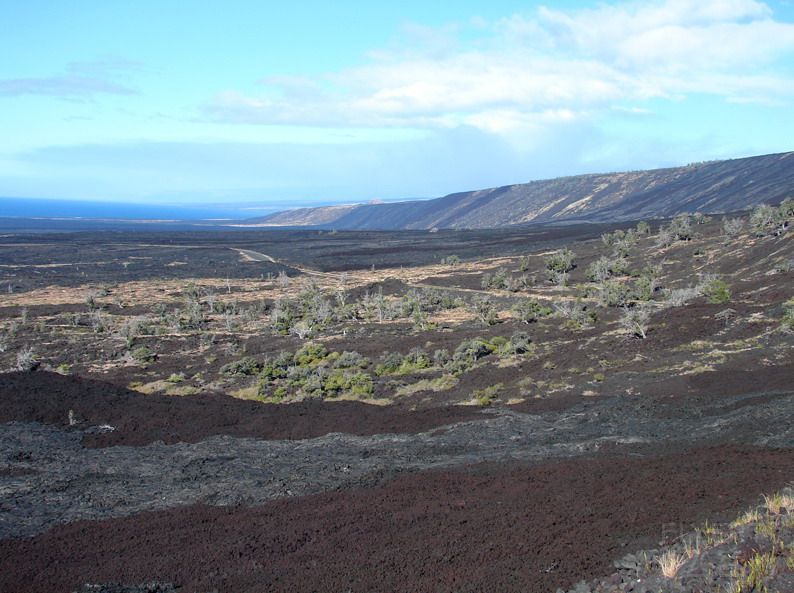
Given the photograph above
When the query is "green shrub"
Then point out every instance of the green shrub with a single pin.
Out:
(441, 357)
(764, 218)
(528, 310)
(467, 354)
(276, 368)
(360, 384)
(485, 310)
(310, 354)
(348, 360)
(498, 280)
(786, 208)
(615, 294)
(499, 344)
(716, 291)
(416, 360)
(681, 227)
(577, 315)
(143, 354)
(605, 267)
(283, 315)
(243, 367)
(646, 285)
(519, 343)
(562, 261)
(389, 364)
(485, 396)
(788, 316)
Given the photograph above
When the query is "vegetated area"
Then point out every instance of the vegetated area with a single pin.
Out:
(587, 408)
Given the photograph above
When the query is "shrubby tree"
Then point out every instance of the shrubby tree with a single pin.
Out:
(558, 265)
(786, 208)
(485, 310)
(605, 267)
(714, 289)
(613, 293)
(665, 237)
(634, 321)
(497, 280)
(519, 343)
(762, 218)
(678, 297)
(441, 357)
(648, 283)
(558, 278)
(283, 279)
(681, 227)
(576, 314)
(599, 270)
(244, 366)
(26, 360)
(467, 354)
(282, 316)
(765, 219)
(732, 226)
(787, 323)
(302, 329)
(561, 261)
(528, 310)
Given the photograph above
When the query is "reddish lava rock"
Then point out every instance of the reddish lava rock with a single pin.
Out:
(504, 528)
(142, 419)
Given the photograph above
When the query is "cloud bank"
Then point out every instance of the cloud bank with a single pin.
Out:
(529, 72)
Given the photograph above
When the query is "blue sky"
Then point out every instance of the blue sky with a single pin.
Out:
(303, 103)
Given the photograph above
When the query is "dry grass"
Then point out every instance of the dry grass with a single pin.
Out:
(776, 503)
(442, 383)
(746, 518)
(670, 563)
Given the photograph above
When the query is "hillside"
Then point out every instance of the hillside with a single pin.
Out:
(712, 187)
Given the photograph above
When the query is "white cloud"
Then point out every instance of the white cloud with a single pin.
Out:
(529, 71)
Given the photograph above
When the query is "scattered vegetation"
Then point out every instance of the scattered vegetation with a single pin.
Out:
(622, 281)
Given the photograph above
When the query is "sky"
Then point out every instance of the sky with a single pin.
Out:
(252, 103)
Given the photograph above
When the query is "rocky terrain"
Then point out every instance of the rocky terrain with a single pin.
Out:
(718, 186)
(601, 412)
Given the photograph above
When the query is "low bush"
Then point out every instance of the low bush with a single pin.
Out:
(787, 323)
(528, 310)
(634, 321)
(310, 354)
(142, 354)
(487, 395)
(389, 364)
(349, 360)
(244, 367)
(615, 294)
(562, 261)
(716, 291)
